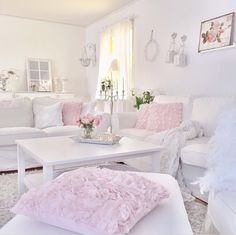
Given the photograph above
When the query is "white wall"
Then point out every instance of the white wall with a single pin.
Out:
(63, 44)
(212, 73)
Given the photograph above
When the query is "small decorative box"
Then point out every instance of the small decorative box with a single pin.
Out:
(104, 139)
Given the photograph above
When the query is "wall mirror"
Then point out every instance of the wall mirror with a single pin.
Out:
(39, 75)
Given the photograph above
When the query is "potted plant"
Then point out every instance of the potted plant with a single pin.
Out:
(145, 98)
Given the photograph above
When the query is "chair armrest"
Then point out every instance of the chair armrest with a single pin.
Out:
(123, 120)
(105, 123)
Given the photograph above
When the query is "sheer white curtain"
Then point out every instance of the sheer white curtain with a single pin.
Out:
(116, 42)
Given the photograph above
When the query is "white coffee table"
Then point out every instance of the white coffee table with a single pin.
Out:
(58, 153)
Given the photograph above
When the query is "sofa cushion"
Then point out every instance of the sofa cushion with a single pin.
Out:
(48, 115)
(185, 100)
(139, 134)
(93, 201)
(164, 116)
(195, 151)
(71, 112)
(16, 112)
(44, 101)
(8, 136)
(87, 107)
(207, 110)
(222, 211)
(62, 131)
(143, 115)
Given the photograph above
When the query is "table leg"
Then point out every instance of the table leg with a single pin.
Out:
(47, 173)
(21, 170)
(156, 162)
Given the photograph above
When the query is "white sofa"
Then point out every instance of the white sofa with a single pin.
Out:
(205, 110)
(222, 213)
(17, 122)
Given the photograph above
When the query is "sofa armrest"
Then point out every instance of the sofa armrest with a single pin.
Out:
(105, 123)
(123, 120)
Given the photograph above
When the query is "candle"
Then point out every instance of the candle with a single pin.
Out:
(123, 85)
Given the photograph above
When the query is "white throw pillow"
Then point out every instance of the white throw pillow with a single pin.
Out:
(48, 116)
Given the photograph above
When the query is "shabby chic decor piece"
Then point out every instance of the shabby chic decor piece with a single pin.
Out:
(173, 49)
(180, 59)
(5, 76)
(151, 50)
(39, 75)
(89, 55)
(216, 33)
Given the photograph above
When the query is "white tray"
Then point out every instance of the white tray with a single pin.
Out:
(97, 140)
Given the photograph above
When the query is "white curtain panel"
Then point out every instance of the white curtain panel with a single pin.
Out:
(116, 42)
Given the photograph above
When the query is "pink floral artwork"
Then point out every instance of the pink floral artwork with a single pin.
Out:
(216, 32)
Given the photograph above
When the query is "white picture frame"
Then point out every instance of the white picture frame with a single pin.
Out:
(39, 75)
(216, 33)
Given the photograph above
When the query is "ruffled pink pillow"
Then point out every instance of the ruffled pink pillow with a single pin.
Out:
(143, 114)
(164, 116)
(71, 112)
(93, 201)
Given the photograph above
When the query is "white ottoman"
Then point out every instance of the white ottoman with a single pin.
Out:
(168, 218)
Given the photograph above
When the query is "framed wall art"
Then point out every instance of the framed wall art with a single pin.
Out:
(39, 75)
(216, 33)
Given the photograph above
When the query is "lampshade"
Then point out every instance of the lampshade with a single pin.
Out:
(114, 66)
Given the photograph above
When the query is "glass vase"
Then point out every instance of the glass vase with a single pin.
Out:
(87, 133)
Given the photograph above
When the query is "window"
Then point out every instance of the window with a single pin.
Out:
(39, 75)
(116, 45)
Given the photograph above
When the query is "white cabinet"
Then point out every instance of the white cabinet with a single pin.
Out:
(31, 95)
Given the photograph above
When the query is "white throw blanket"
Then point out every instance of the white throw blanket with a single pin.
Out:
(173, 141)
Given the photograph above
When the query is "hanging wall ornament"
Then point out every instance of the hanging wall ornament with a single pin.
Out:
(181, 58)
(172, 49)
(151, 50)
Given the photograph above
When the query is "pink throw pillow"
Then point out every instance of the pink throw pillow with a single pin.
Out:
(93, 201)
(71, 112)
(164, 116)
(143, 114)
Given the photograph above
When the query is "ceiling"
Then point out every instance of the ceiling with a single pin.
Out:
(75, 12)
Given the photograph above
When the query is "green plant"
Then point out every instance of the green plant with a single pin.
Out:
(106, 85)
(145, 98)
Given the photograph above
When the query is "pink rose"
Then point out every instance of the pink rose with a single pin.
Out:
(97, 120)
(212, 36)
(221, 31)
(85, 120)
(216, 25)
(90, 117)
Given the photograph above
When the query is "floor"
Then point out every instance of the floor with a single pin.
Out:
(8, 196)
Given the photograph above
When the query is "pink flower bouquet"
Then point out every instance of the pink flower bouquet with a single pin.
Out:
(89, 122)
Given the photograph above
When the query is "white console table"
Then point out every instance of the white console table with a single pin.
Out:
(32, 95)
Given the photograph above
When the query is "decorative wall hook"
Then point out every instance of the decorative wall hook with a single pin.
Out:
(89, 55)
(173, 50)
(151, 50)
(181, 58)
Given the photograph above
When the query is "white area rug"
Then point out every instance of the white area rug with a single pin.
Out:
(8, 197)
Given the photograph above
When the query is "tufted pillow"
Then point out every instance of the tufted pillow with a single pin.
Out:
(71, 112)
(143, 114)
(164, 116)
(93, 201)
